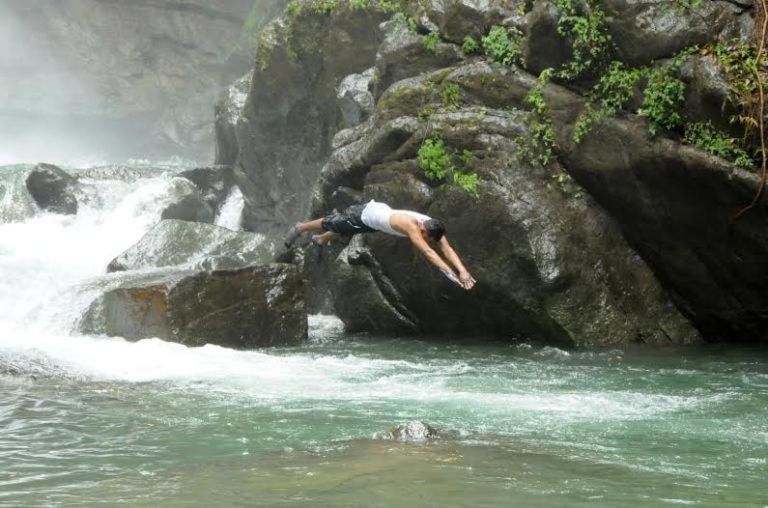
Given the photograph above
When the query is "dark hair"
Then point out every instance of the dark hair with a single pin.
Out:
(435, 229)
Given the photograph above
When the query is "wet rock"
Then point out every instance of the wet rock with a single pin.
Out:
(53, 189)
(193, 245)
(228, 111)
(645, 31)
(355, 98)
(250, 307)
(364, 298)
(707, 95)
(675, 205)
(550, 264)
(187, 203)
(543, 47)
(456, 19)
(213, 182)
(412, 432)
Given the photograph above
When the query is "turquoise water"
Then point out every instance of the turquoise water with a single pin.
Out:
(297, 426)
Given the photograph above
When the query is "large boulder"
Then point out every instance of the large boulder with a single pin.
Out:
(677, 207)
(193, 245)
(53, 189)
(550, 264)
(245, 308)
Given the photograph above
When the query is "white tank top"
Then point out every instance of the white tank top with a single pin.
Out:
(376, 216)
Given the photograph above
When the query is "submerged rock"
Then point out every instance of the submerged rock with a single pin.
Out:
(251, 307)
(195, 246)
(53, 189)
(412, 432)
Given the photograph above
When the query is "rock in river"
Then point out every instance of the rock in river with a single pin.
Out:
(52, 188)
(250, 307)
(193, 245)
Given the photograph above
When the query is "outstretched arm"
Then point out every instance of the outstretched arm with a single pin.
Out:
(433, 256)
(467, 281)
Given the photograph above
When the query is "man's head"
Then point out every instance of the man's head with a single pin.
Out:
(434, 229)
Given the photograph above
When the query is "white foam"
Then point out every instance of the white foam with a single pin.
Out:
(231, 211)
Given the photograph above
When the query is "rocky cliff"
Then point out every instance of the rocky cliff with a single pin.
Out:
(580, 152)
(119, 79)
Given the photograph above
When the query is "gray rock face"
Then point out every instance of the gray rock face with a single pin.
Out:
(228, 112)
(355, 97)
(187, 203)
(53, 189)
(291, 113)
(195, 246)
(251, 307)
(129, 78)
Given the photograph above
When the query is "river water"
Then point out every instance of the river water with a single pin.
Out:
(102, 421)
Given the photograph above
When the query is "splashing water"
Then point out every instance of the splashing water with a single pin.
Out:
(86, 420)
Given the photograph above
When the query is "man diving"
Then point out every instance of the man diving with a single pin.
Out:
(422, 230)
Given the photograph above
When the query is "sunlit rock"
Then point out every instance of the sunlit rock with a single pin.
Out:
(250, 307)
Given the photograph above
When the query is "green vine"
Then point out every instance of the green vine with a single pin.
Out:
(584, 24)
(503, 45)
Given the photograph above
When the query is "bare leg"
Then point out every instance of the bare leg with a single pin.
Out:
(325, 237)
(313, 225)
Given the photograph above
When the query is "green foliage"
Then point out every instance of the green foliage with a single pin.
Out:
(466, 155)
(585, 25)
(360, 4)
(466, 181)
(413, 27)
(540, 146)
(430, 42)
(610, 94)
(662, 100)
(434, 160)
(293, 8)
(705, 136)
(503, 45)
(450, 97)
(470, 46)
(438, 165)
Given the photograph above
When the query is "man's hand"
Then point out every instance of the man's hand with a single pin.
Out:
(466, 280)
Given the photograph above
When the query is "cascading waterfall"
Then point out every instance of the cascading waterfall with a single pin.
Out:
(526, 424)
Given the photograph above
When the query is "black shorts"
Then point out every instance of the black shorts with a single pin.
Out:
(347, 223)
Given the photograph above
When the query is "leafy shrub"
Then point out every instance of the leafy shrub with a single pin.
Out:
(662, 99)
(587, 29)
(430, 41)
(503, 46)
(470, 46)
(438, 166)
(434, 160)
(450, 97)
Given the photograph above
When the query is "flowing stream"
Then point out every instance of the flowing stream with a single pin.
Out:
(102, 421)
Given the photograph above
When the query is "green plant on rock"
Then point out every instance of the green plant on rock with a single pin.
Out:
(584, 24)
(466, 181)
(430, 42)
(540, 146)
(450, 97)
(470, 46)
(705, 136)
(503, 45)
(434, 160)
(609, 95)
(663, 98)
(438, 165)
